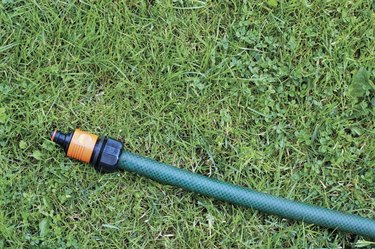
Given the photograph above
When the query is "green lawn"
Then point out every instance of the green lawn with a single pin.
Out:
(277, 98)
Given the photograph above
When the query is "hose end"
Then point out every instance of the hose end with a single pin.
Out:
(102, 153)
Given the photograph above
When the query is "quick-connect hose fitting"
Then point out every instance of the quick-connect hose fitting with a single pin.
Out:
(103, 153)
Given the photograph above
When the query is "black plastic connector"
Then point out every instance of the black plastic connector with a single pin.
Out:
(61, 139)
(106, 154)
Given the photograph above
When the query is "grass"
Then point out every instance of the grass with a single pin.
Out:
(276, 98)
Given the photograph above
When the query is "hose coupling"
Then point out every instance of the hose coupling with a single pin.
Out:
(103, 153)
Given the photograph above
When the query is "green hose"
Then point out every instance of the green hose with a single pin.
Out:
(167, 174)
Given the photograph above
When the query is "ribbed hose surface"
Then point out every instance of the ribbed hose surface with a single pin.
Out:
(246, 197)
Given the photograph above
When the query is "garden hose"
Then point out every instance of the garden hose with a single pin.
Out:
(107, 155)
